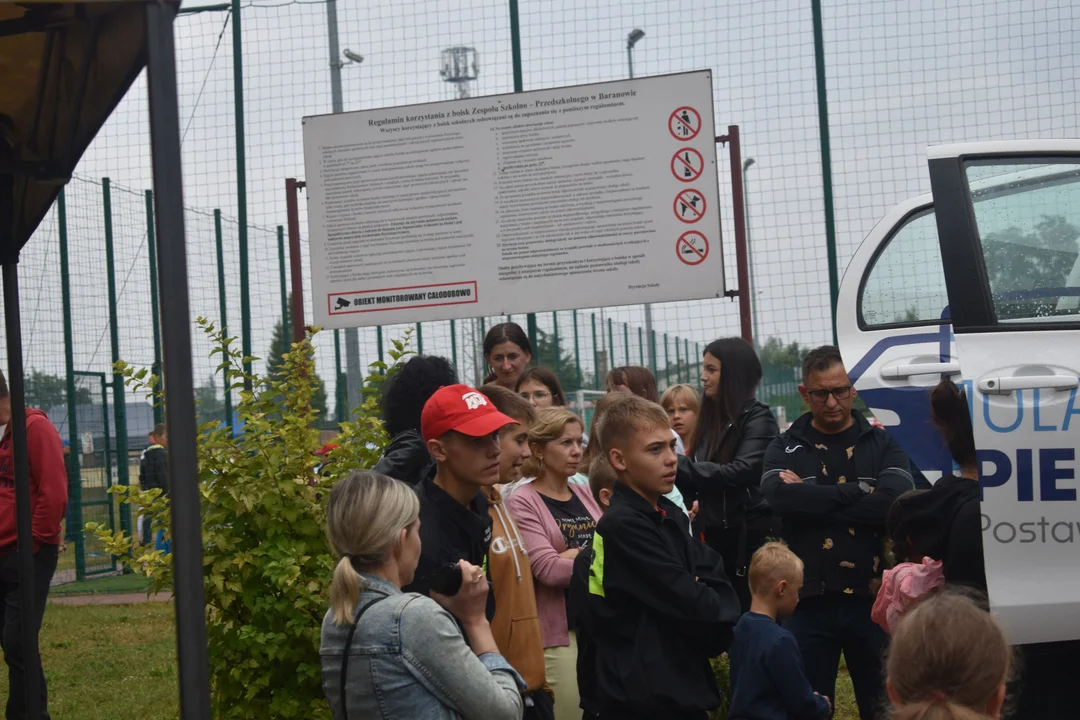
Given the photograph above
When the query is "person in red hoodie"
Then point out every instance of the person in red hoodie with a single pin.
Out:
(48, 498)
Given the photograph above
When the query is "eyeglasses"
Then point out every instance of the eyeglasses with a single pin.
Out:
(822, 396)
(538, 395)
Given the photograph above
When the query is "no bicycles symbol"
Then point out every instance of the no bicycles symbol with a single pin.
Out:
(684, 123)
(689, 205)
(687, 165)
(692, 248)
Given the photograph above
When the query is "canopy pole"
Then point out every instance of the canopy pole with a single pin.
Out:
(32, 684)
(176, 342)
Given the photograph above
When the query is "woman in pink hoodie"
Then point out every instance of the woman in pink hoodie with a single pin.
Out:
(557, 520)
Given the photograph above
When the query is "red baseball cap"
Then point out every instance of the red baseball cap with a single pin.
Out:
(463, 409)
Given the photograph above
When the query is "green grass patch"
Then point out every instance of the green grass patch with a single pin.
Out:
(105, 662)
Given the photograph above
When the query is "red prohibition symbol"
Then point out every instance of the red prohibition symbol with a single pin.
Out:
(687, 165)
(692, 247)
(689, 205)
(685, 123)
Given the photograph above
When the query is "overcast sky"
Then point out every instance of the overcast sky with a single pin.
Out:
(901, 76)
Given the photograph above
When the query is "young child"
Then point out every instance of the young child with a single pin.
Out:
(767, 677)
(660, 604)
(516, 625)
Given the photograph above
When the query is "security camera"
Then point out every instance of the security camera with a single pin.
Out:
(352, 57)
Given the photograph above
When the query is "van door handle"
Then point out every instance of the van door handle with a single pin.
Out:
(1006, 385)
(899, 372)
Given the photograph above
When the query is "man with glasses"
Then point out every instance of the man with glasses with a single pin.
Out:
(831, 478)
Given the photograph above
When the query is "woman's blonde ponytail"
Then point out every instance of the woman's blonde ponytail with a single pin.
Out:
(364, 519)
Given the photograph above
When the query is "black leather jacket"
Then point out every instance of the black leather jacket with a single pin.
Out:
(726, 493)
(406, 458)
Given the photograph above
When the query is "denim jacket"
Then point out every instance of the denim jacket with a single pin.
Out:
(409, 661)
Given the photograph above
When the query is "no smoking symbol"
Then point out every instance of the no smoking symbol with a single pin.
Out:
(692, 248)
(684, 123)
(689, 206)
(687, 165)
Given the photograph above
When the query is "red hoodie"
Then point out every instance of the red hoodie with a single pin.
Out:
(48, 482)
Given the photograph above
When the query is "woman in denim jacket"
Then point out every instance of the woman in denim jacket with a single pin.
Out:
(406, 657)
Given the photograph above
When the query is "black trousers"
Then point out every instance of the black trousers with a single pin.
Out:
(730, 543)
(13, 615)
(826, 625)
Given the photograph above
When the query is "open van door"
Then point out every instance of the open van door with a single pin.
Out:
(1008, 215)
(893, 327)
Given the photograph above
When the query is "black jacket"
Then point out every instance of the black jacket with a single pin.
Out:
(945, 523)
(660, 606)
(836, 529)
(727, 492)
(153, 469)
(586, 642)
(406, 458)
(449, 532)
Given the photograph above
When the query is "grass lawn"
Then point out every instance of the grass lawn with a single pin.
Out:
(106, 662)
(112, 584)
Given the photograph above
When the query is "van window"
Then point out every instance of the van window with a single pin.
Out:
(906, 282)
(1028, 218)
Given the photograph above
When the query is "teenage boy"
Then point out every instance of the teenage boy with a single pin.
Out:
(767, 677)
(154, 471)
(516, 625)
(660, 603)
(461, 429)
(831, 478)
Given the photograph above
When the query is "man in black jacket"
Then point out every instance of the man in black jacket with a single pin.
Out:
(659, 603)
(406, 457)
(831, 478)
(153, 470)
(461, 428)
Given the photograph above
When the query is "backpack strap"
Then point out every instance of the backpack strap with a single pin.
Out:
(345, 654)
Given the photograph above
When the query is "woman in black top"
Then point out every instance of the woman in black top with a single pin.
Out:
(721, 471)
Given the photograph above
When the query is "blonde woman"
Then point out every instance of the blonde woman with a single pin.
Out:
(400, 656)
(682, 405)
(556, 519)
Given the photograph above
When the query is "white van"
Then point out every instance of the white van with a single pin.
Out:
(980, 281)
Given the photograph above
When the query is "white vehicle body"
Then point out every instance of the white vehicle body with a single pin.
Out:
(980, 281)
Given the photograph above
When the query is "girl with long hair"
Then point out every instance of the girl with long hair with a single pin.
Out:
(507, 351)
(378, 642)
(557, 519)
(682, 405)
(722, 472)
(541, 388)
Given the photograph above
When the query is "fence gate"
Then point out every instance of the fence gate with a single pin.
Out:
(90, 499)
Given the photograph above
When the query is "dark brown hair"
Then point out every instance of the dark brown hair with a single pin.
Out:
(949, 414)
(947, 660)
(601, 477)
(640, 381)
(821, 359)
(740, 375)
(548, 379)
(509, 403)
(506, 332)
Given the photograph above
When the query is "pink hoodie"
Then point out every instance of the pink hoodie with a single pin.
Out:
(902, 588)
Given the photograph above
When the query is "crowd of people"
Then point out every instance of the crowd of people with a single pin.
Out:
(520, 564)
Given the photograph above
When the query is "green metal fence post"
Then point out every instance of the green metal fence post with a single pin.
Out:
(667, 361)
(626, 341)
(284, 288)
(678, 361)
(378, 341)
(119, 400)
(223, 308)
(595, 353)
(689, 362)
(75, 521)
(241, 187)
(652, 351)
(555, 339)
(826, 161)
(641, 345)
(611, 344)
(108, 457)
(151, 251)
(341, 389)
(453, 343)
(419, 339)
(577, 351)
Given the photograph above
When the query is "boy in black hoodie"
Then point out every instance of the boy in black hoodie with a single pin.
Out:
(660, 604)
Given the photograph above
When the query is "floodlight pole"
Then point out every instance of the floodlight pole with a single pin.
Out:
(176, 341)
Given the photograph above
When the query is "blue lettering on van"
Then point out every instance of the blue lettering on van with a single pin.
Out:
(1039, 427)
(1053, 468)
(1070, 410)
(1019, 414)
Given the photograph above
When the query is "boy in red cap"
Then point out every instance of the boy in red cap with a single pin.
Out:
(460, 427)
